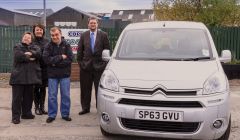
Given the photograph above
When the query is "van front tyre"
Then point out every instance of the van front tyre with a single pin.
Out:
(105, 133)
(225, 136)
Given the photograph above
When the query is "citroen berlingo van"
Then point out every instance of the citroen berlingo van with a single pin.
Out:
(165, 79)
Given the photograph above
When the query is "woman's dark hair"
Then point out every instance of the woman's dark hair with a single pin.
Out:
(39, 26)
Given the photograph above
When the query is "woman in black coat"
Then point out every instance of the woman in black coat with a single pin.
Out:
(25, 74)
(40, 90)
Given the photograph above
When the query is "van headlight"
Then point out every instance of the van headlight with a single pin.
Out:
(216, 83)
(109, 81)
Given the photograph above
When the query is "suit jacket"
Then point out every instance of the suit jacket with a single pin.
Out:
(87, 60)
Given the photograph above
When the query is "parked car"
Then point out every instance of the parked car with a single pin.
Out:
(165, 79)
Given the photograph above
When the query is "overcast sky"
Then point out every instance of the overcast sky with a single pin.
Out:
(84, 5)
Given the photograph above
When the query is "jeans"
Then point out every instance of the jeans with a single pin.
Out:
(65, 96)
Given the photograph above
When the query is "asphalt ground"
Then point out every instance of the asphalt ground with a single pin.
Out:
(85, 127)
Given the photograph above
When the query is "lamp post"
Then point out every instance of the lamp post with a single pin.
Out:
(44, 18)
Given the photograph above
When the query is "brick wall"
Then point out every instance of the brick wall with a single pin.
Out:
(75, 72)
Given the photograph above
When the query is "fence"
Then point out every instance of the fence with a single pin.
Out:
(227, 38)
(10, 35)
(224, 38)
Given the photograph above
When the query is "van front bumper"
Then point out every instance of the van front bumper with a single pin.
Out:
(214, 107)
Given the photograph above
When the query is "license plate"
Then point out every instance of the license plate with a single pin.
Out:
(159, 115)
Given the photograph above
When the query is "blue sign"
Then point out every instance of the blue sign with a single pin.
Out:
(74, 33)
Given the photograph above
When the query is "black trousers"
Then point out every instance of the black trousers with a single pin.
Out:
(22, 99)
(87, 78)
(39, 96)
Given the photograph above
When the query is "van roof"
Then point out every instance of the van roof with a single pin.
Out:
(166, 24)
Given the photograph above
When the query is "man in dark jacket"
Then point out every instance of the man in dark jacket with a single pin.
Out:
(58, 57)
(40, 90)
(89, 56)
(25, 74)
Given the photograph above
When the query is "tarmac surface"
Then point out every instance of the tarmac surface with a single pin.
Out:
(85, 127)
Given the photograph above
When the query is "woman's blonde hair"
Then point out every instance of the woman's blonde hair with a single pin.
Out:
(29, 34)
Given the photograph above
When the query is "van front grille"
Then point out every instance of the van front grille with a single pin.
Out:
(155, 103)
(168, 93)
(160, 125)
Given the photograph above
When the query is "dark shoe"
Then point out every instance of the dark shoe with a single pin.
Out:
(84, 112)
(49, 120)
(44, 112)
(67, 118)
(16, 121)
(38, 111)
(28, 116)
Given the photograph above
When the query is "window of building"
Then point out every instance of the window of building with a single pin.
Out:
(74, 24)
(130, 16)
(120, 13)
(151, 16)
(142, 12)
(57, 23)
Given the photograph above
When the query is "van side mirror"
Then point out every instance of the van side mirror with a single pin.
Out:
(226, 56)
(106, 55)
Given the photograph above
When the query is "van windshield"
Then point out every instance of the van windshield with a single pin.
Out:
(165, 44)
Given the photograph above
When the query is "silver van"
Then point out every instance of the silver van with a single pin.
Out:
(165, 79)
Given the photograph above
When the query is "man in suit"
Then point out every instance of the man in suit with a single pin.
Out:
(89, 57)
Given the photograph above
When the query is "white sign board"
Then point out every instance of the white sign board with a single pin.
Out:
(72, 36)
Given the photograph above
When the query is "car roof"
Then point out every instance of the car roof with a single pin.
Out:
(166, 24)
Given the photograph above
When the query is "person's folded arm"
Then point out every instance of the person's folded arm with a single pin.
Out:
(48, 59)
(36, 52)
(69, 59)
(19, 55)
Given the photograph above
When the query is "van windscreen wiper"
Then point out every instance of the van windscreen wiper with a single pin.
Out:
(195, 59)
(165, 59)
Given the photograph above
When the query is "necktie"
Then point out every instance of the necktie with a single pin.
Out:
(92, 41)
